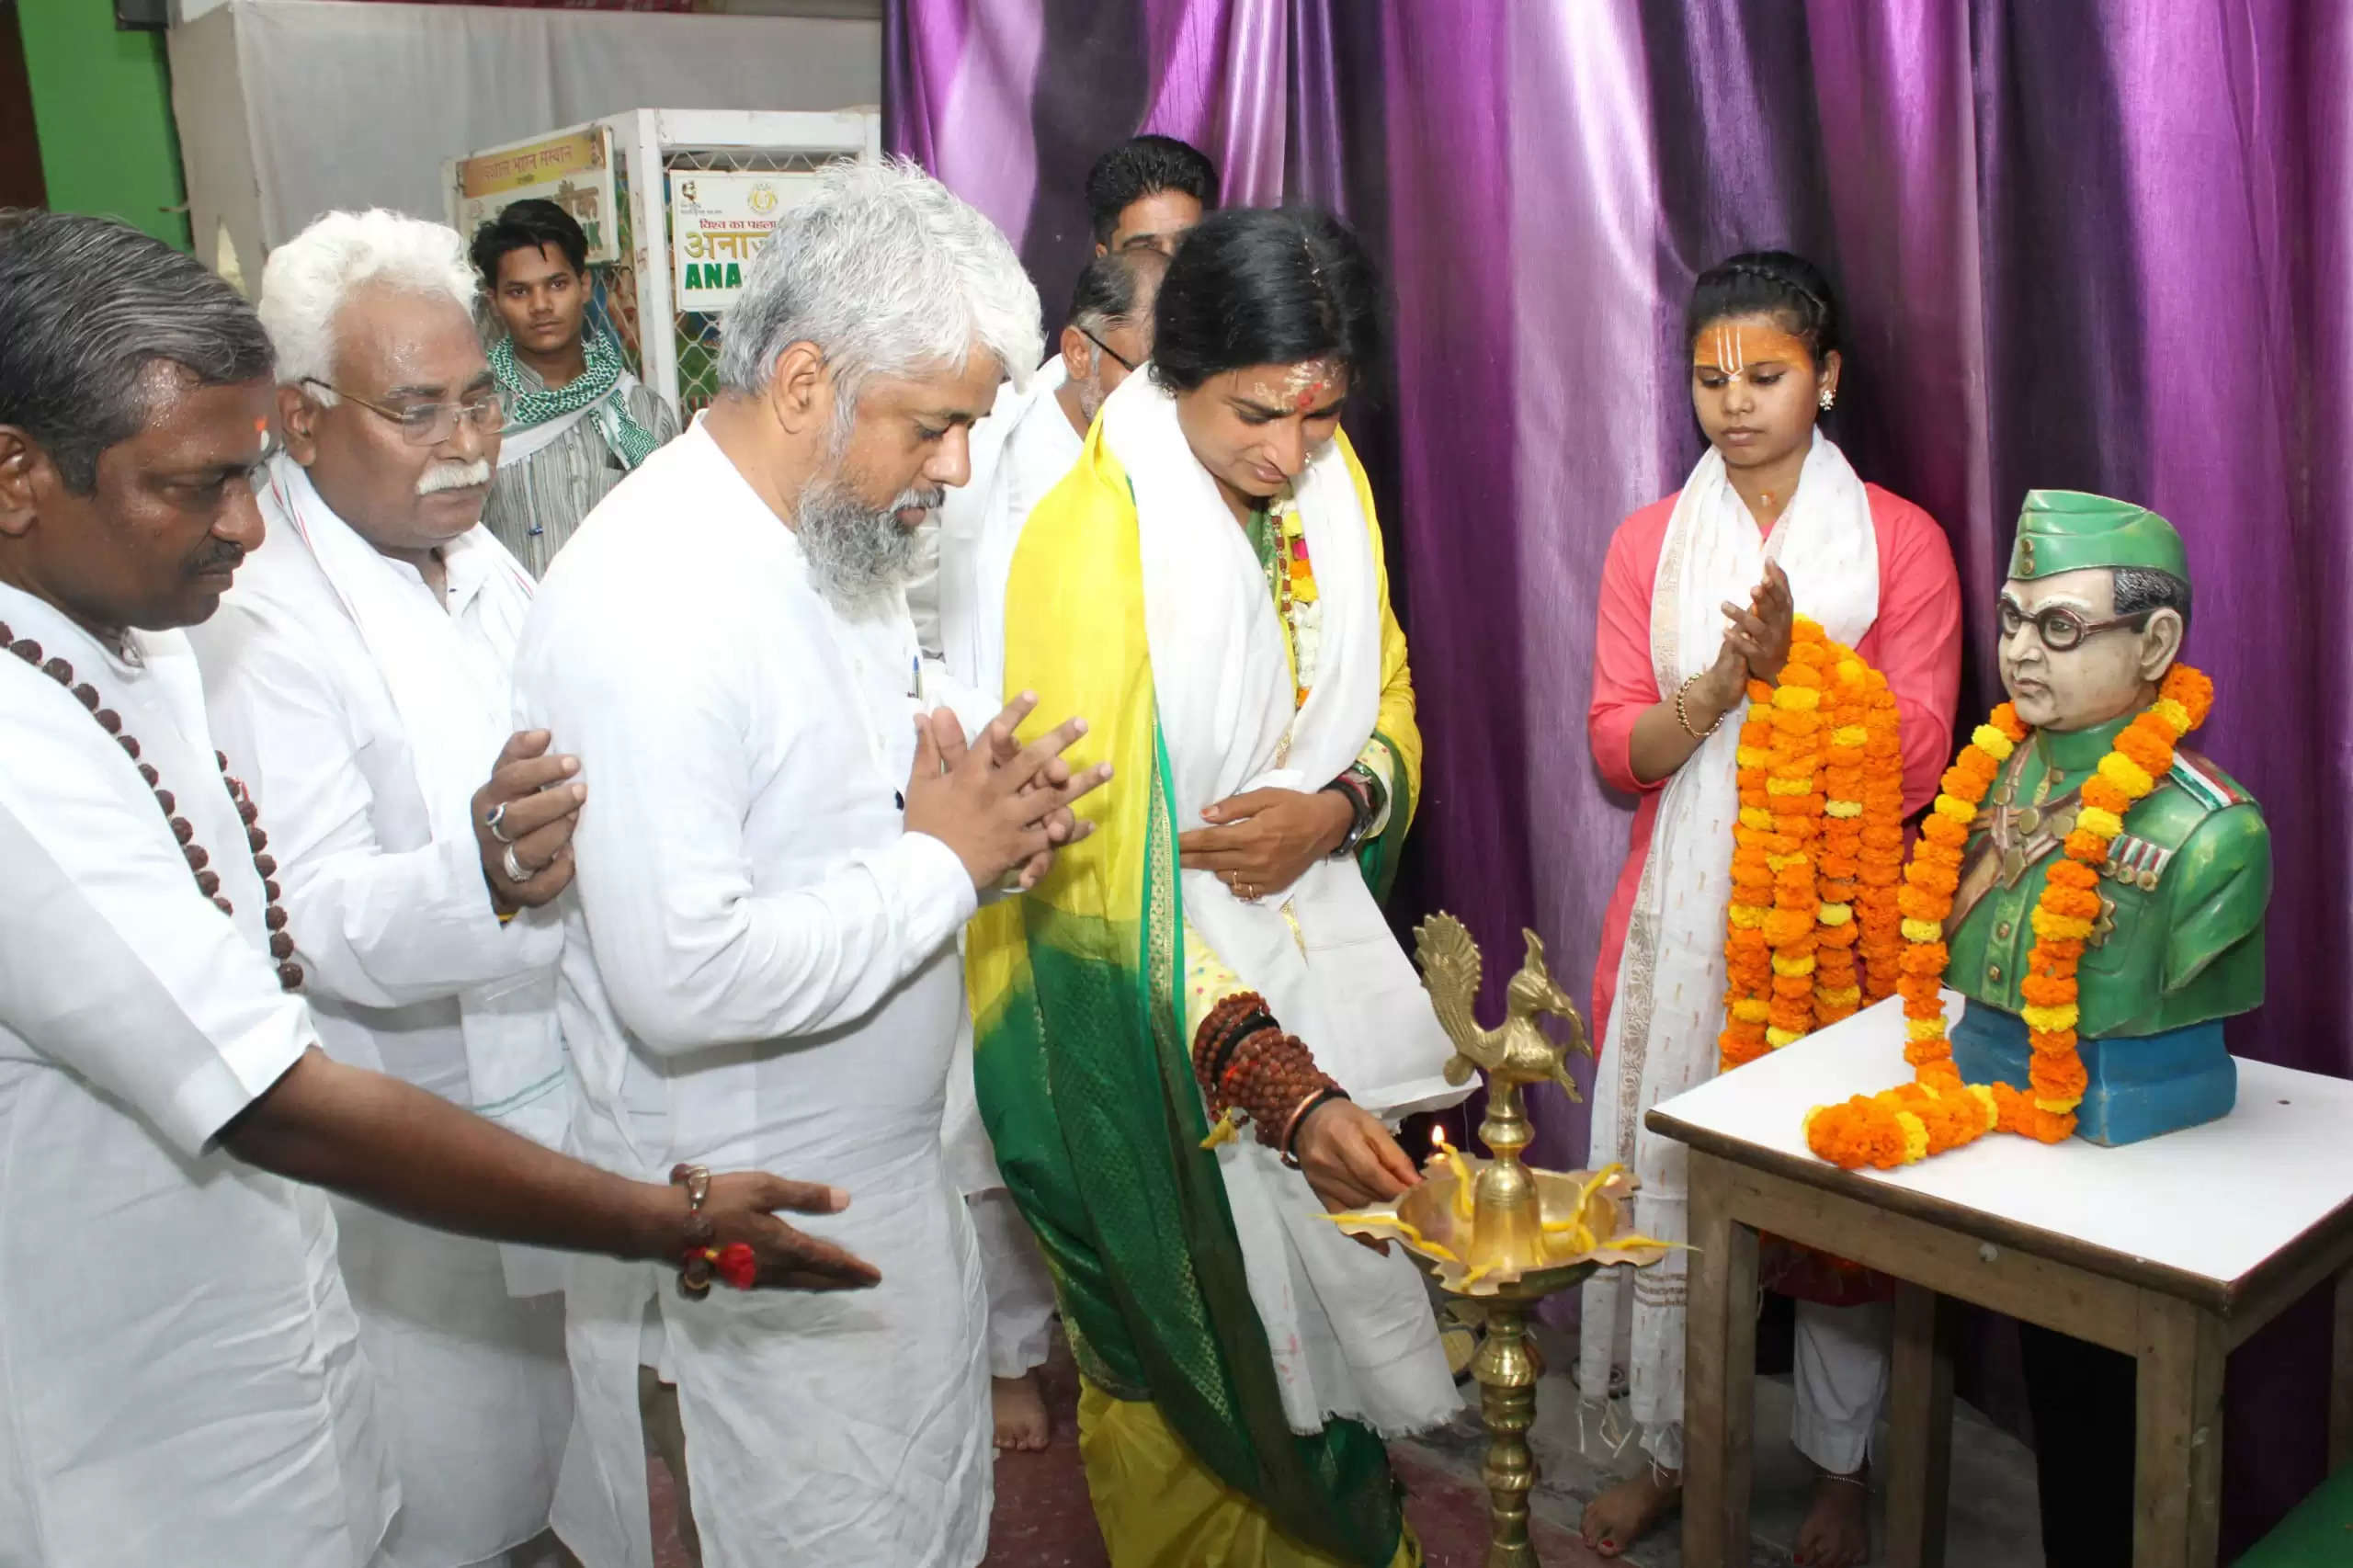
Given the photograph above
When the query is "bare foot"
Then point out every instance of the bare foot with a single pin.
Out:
(1836, 1531)
(1020, 1412)
(1627, 1511)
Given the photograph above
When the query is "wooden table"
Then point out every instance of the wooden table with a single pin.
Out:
(2172, 1251)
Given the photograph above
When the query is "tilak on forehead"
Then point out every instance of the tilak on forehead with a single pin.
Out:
(1304, 386)
(1731, 346)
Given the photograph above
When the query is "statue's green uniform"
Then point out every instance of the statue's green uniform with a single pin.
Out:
(2178, 945)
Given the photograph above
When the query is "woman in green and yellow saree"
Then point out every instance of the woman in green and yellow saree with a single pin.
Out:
(1194, 1035)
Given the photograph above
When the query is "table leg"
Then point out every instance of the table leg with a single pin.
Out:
(2340, 1378)
(1919, 1457)
(2178, 1471)
(1720, 1373)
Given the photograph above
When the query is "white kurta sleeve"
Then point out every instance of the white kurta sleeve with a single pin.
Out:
(111, 962)
(690, 953)
(377, 927)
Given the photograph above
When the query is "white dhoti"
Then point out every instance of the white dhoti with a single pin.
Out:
(471, 1383)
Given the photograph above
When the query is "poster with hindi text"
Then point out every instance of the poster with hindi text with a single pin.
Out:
(719, 220)
(573, 168)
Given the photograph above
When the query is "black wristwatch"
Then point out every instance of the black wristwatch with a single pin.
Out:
(1360, 787)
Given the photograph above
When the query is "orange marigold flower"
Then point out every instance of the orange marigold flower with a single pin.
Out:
(2072, 874)
(2088, 847)
(1942, 831)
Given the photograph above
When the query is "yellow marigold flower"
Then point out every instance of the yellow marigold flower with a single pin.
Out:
(2059, 1107)
(2097, 822)
(1796, 698)
(1849, 736)
(1788, 785)
(1925, 1029)
(1752, 756)
(1793, 967)
(1783, 862)
(1842, 808)
(1806, 1127)
(1993, 1108)
(1960, 812)
(1756, 817)
(2051, 1019)
(2062, 927)
(1845, 997)
(2126, 774)
(1992, 742)
(1924, 931)
(1751, 1010)
(1747, 916)
(1852, 670)
(1778, 1038)
(1837, 914)
(2174, 716)
(1915, 1136)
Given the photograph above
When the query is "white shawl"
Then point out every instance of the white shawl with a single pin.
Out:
(1351, 1332)
(1670, 999)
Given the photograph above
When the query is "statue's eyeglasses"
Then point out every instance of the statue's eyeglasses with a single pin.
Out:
(2062, 629)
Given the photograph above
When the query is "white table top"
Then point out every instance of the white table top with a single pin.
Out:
(2213, 1200)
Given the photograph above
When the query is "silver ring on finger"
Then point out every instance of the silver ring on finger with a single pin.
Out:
(496, 820)
(516, 872)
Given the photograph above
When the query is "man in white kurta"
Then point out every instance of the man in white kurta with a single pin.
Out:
(364, 706)
(761, 954)
(195, 1297)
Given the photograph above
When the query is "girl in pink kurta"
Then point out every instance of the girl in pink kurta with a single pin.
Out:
(1696, 598)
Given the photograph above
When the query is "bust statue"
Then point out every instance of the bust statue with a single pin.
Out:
(2094, 614)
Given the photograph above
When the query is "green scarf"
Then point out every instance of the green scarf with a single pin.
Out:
(594, 390)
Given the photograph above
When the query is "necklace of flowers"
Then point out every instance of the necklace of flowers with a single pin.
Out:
(1293, 577)
(1811, 930)
(1936, 1111)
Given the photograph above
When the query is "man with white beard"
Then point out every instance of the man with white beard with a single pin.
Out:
(761, 953)
(357, 676)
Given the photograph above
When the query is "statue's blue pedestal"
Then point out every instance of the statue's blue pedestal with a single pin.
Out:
(2140, 1087)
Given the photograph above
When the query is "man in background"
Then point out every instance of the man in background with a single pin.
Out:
(577, 420)
(1146, 192)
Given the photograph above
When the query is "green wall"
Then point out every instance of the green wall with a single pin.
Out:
(102, 100)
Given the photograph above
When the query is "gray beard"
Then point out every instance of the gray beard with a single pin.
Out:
(859, 555)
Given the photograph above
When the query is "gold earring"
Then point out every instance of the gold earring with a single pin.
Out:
(1828, 397)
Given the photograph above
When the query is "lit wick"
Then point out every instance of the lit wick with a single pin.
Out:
(1459, 1166)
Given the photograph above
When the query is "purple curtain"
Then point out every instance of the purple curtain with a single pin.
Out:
(2084, 244)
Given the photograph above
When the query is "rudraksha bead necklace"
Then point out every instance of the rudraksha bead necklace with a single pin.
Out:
(207, 882)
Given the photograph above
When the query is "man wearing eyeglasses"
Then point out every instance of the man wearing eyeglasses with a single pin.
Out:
(357, 676)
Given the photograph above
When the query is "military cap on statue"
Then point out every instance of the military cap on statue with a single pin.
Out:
(2066, 530)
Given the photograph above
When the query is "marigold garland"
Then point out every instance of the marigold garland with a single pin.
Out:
(1810, 934)
(1934, 1111)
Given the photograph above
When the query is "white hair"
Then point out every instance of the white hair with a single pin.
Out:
(885, 272)
(307, 279)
